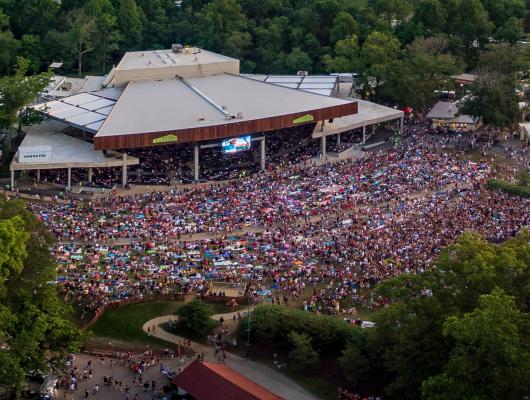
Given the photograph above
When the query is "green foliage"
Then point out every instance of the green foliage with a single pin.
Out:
(491, 354)
(494, 98)
(353, 363)
(523, 178)
(271, 325)
(195, 318)
(303, 356)
(34, 333)
(425, 68)
(522, 190)
(379, 53)
(130, 24)
(8, 45)
(270, 36)
(18, 91)
(415, 335)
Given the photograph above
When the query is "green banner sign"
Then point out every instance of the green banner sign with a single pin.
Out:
(165, 139)
(305, 118)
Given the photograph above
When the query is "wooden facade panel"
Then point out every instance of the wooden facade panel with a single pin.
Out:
(129, 141)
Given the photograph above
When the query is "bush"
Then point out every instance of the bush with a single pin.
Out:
(353, 363)
(194, 319)
(518, 190)
(272, 324)
(523, 178)
(303, 355)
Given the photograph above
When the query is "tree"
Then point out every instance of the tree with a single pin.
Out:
(500, 11)
(432, 15)
(303, 355)
(410, 332)
(194, 318)
(346, 56)
(511, 31)
(344, 25)
(393, 9)
(32, 16)
(493, 93)
(34, 333)
(31, 49)
(107, 36)
(472, 25)
(298, 60)
(217, 21)
(17, 92)
(82, 30)
(353, 363)
(379, 53)
(491, 354)
(425, 68)
(8, 45)
(130, 24)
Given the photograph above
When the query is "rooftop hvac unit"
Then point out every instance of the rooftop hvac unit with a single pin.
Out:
(302, 73)
(239, 115)
(177, 48)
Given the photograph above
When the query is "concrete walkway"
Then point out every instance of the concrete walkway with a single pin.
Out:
(267, 377)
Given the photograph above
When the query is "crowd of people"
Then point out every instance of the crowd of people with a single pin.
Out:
(336, 229)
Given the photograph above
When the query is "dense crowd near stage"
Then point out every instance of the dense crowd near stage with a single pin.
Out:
(331, 231)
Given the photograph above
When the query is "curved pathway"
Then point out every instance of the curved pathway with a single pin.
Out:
(267, 377)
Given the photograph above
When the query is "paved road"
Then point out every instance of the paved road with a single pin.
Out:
(267, 377)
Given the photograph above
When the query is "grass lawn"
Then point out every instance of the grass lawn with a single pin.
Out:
(125, 323)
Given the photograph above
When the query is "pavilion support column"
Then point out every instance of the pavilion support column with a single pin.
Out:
(196, 162)
(323, 144)
(69, 183)
(124, 171)
(12, 180)
(338, 139)
(263, 155)
(90, 175)
(401, 126)
(38, 175)
(364, 135)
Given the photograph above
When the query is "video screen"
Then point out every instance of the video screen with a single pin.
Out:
(235, 145)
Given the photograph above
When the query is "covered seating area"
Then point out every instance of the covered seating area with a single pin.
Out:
(46, 147)
(369, 114)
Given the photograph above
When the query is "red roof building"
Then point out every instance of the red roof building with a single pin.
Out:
(206, 381)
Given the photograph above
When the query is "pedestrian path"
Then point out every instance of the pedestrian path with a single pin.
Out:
(267, 377)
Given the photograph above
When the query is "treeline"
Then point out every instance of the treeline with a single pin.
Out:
(458, 331)
(401, 50)
(280, 36)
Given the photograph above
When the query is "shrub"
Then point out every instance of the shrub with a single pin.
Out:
(303, 355)
(194, 319)
(523, 178)
(518, 190)
(272, 324)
